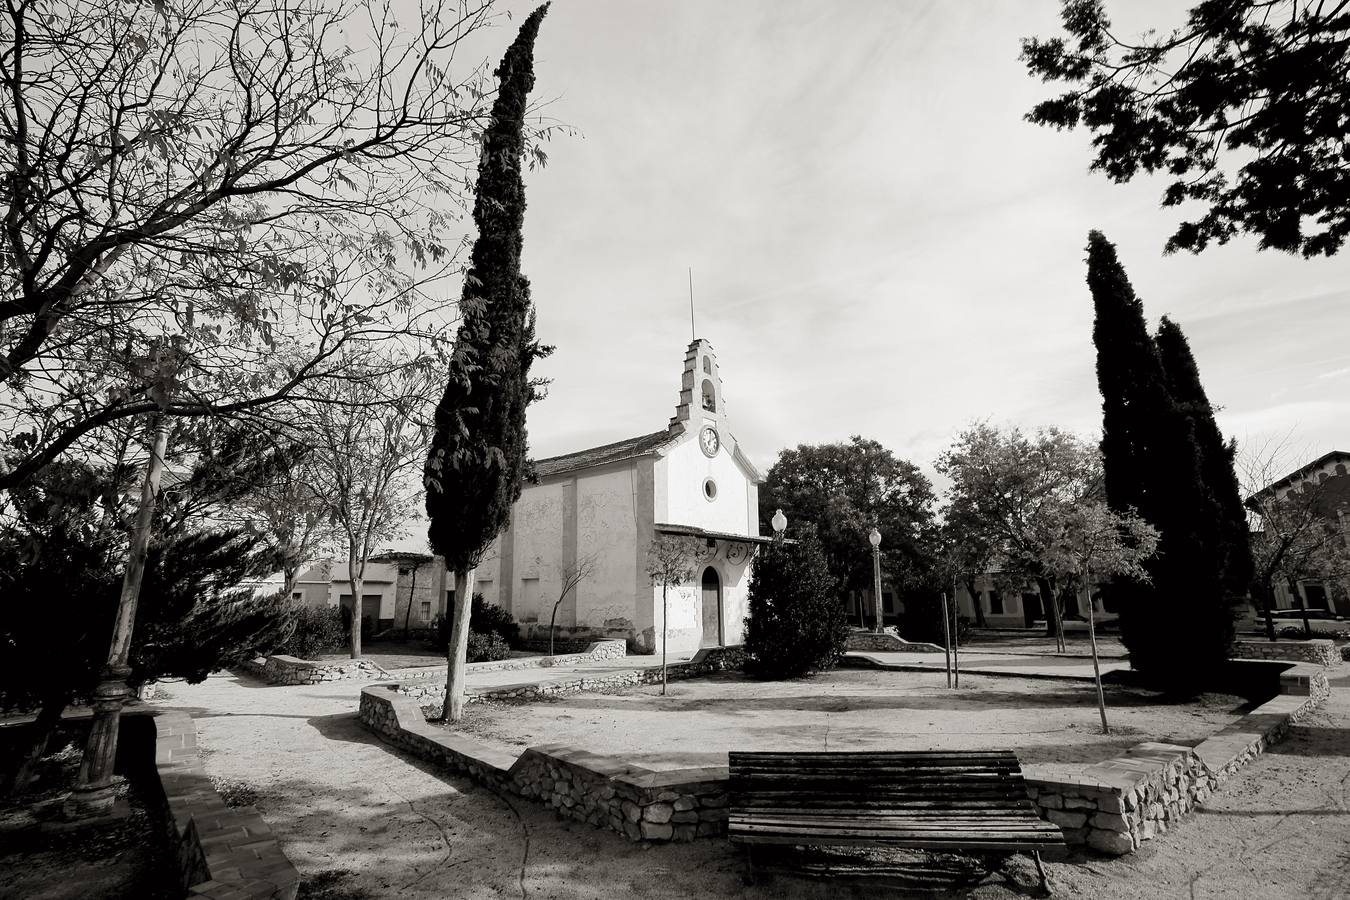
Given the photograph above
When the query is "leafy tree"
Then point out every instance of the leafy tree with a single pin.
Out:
(1091, 540)
(233, 178)
(475, 468)
(1242, 108)
(1178, 626)
(795, 624)
(62, 534)
(1298, 534)
(1218, 477)
(846, 489)
(1006, 503)
(670, 562)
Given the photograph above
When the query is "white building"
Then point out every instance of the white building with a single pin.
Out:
(607, 504)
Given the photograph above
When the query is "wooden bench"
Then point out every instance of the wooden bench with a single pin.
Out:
(969, 800)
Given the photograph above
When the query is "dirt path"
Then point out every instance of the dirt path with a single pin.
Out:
(363, 821)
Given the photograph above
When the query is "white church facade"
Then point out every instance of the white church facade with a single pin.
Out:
(601, 508)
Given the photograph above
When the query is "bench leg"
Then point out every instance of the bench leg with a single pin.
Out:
(1040, 870)
(749, 876)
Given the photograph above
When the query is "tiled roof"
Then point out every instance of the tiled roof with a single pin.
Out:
(1299, 472)
(695, 531)
(598, 456)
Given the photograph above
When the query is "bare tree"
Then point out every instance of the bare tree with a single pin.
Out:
(1297, 532)
(368, 439)
(670, 561)
(232, 177)
(570, 576)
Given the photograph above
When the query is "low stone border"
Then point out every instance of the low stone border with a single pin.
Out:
(291, 670)
(1113, 806)
(885, 642)
(224, 853)
(712, 659)
(1116, 805)
(1320, 651)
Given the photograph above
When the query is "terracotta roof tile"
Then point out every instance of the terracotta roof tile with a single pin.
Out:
(598, 456)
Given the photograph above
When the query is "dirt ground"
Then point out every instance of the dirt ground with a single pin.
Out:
(699, 720)
(362, 821)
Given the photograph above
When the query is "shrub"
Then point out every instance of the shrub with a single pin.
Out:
(484, 618)
(486, 647)
(795, 624)
(318, 630)
(489, 618)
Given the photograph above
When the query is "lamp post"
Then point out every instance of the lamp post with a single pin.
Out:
(779, 523)
(875, 538)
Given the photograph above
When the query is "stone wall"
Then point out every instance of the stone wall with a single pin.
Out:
(293, 670)
(223, 852)
(886, 642)
(1321, 651)
(712, 659)
(641, 804)
(1116, 805)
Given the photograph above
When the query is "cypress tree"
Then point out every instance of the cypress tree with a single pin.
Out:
(1151, 464)
(476, 461)
(1182, 376)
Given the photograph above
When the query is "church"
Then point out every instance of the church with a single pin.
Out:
(597, 512)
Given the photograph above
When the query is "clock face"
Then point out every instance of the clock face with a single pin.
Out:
(709, 441)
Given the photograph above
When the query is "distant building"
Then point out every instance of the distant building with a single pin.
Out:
(1323, 484)
(400, 590)
(607, 503)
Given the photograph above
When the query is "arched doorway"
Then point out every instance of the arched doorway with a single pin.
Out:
(712, 608)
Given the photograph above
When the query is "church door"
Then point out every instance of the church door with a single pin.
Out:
(712, 608)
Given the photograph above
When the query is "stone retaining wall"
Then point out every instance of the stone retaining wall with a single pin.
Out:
(1112, 807)
(636, 802)
(1116, 805)
(223, 853)
(1321, 651)
(712, 659)
(871, 642)
(291, 670)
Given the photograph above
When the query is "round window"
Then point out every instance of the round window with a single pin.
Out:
(709, 488)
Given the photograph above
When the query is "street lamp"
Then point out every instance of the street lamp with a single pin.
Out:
(779, 522)
(875, 538)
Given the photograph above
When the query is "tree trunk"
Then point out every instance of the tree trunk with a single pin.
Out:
(1096, 666)
(40, 734)
(1302, 608)
(412, 595)
(664, 632)
(1053, 626)
(453, 709)
(553, 623)
(1264, 590)
(975, 602)
(358, 583)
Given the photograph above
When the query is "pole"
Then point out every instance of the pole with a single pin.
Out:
(93, 793)
(947, 638)
(876, 585)
(956, 642)
(693, 333)
(665, 632)
(1092, 639)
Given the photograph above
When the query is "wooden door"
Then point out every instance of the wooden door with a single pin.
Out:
(712, 608)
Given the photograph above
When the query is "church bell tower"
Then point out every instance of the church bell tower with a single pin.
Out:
(701, 400)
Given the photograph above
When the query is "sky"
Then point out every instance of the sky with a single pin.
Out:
(880, 244)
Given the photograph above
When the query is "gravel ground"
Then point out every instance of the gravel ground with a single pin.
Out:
(361, 820)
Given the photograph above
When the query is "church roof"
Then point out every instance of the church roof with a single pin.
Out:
(599, 456)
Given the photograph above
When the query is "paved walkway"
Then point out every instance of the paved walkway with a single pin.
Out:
(979, 662)
(361, 820)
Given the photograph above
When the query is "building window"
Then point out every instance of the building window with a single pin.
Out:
(709, 489)
(995, 603)
(426, 610)
(297, 596)
(709, 396)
